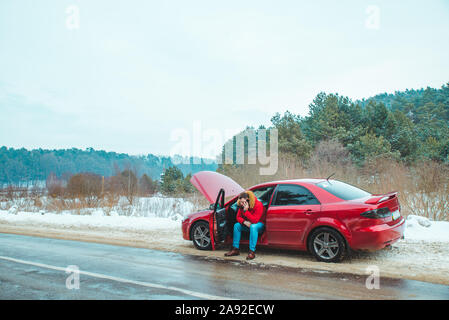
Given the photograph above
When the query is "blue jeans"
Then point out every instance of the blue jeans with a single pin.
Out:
(254, 231)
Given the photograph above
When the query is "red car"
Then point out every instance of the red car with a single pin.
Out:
(325, 217)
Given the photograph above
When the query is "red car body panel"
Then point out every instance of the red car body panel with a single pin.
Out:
(187, 224)
(289, 226)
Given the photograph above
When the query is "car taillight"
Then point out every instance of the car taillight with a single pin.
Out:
(376, 213)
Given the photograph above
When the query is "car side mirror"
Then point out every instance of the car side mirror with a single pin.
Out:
(212, 206)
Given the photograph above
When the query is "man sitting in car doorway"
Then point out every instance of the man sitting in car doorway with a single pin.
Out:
(248, 220)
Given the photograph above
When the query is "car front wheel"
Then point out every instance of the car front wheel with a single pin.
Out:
(200, 236)
(327, 245)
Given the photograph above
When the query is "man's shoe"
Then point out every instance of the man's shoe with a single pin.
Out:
(233, 252)
(251, 255)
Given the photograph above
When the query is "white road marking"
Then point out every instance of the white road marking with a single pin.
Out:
(102, 276)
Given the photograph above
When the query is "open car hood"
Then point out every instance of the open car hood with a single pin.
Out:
(209, 184)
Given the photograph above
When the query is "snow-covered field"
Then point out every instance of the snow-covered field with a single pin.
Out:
(423, 255)
(156, 206)
(147, 214)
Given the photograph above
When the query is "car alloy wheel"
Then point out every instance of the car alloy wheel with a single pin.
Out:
(201, 236)
(326, 246)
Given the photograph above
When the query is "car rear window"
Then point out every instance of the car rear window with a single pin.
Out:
(343, 190)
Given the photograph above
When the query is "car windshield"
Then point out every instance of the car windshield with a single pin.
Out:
(343, 190)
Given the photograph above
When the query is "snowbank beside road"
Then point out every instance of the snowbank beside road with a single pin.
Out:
(422, 229)
(96, 220)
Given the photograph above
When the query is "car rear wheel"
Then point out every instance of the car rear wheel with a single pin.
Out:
(327, 245)
(200, 236)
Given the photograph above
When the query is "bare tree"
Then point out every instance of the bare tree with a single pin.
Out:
(129, 185)
(54, 186)
(86, 187)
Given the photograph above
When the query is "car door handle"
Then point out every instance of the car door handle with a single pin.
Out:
(310, 211)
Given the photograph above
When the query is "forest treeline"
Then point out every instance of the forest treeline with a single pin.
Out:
(22, 165)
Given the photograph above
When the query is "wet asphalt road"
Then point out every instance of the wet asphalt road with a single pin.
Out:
(35, 268)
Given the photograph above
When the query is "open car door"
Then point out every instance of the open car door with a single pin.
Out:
(217, 220)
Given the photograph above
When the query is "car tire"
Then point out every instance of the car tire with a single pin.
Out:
(327, 245)
(200, 235)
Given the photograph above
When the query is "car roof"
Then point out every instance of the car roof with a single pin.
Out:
(291, 181)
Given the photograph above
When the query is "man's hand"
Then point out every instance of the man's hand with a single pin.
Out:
(247, 223)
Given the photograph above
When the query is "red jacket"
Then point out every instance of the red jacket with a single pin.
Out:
(253, 215)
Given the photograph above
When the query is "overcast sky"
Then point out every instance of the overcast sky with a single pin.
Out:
(125, 75)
